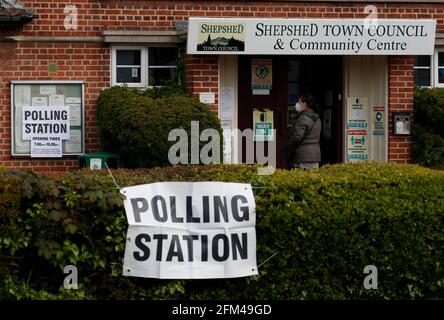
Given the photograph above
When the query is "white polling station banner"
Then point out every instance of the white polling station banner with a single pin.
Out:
(190, 230)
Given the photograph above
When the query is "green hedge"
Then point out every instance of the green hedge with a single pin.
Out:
(428, 128)
(326, 226)
(136, 124)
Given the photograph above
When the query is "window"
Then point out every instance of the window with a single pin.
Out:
(429, 70)
(143, 66)
(422, 71)
(162, 65)
(440, 69)
(128, 65)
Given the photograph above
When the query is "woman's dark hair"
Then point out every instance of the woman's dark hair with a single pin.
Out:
(308, 99)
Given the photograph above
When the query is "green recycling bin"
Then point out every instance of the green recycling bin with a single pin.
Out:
(96, 161)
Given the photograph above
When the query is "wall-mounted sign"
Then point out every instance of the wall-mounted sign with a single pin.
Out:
(261, 74)
(219, 36)
(185, 230)
(357, 145)
(357, 125)
(207, 97)
(263, 125)
(227, 134)
(357, 112)
(47, 118)
(46, 128)
(311, 36)
(226, 103)
(378, 116)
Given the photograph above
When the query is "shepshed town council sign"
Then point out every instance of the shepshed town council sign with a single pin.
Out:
(311, 36)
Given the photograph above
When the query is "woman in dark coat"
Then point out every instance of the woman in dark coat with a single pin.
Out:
(302, 149)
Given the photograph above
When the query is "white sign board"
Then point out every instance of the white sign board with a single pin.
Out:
(227, 133)
(226, 104)
(311, 36)
(357, 129)
(46, 127)
(185, 230)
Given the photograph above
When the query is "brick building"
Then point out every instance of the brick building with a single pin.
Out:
(67, 52)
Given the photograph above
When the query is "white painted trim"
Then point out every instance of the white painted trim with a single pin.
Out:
(387, 109)
(230, 78)
(345, 93)
(46, 81)
(143, 66)
(436, 68)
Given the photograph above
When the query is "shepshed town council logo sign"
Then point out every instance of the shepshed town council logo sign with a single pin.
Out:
(311, 36)
(221, 37)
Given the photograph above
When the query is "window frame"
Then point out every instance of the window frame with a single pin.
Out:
(159, 66)
(430, 67)
(436, 68)
(144, 64)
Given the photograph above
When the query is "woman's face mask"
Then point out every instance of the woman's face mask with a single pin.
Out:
(298, 107)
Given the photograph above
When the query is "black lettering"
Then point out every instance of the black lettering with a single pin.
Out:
(235, 210)
(206, 208)
(159, 238)
(215, 247)
(174, 218)
(175, 249)
(237, 247)
(190, 217)
(139, 244)
(204, 248)
(139, 209)
(219, 208)
(189, 239)
(56, 115)
(27, 114)
(156, 214)
(259, 31)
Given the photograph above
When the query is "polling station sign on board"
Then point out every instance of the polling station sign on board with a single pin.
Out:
(190, 230)
(46, 127)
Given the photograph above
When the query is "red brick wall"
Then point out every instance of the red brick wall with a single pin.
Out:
(89, 62)
(202, 75)
(400, 75)
(75, 61)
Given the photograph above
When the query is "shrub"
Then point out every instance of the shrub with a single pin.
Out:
(136, 124)
(325, 225)
(428, 129)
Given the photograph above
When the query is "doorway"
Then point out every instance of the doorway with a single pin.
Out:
(320, 76)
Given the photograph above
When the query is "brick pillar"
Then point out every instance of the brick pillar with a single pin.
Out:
(202, 75)
(400, 84)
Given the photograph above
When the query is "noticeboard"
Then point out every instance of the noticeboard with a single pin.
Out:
(43, 99)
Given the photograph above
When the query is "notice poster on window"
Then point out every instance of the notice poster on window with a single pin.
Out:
(263, 125)
(261, 74)
(226, 103)
(378, 120)
(357, 113)
(226, 131)
(45, 127)
(357, 145)
(357, 129)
